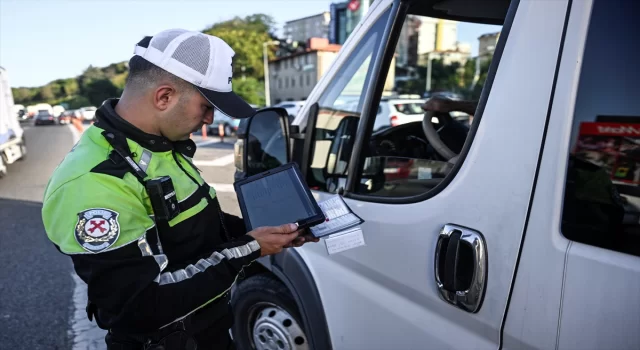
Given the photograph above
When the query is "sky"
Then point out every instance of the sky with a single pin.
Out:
(44, 40)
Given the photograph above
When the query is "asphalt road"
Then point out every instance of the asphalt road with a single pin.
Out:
(36, 285)
(41, 299)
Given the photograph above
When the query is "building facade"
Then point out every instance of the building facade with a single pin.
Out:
(344, 19)
(487, 44)
(292, 78)
(316, 26)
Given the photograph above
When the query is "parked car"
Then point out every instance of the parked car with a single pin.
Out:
(230, 124)
(292, 107)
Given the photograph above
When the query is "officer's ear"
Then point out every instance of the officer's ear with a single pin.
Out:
(164, 97)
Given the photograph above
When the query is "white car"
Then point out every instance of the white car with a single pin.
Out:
(520, 231)
(394, 112)
(88, 113)
(292, 107)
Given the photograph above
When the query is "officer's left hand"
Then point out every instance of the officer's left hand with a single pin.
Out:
(304, 237)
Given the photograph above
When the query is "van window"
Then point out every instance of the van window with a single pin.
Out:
(339, 108)
(398, 159)
(602, 193)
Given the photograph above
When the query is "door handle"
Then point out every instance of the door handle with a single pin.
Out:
(461, 267)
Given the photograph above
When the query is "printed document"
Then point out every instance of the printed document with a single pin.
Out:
(339, 217)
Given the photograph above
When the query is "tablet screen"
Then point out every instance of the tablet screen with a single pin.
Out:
(276, 199)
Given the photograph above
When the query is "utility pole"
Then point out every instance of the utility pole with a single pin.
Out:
(267, 93)
(428, 87)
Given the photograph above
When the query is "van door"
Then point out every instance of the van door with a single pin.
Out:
(579, 273)
(441, 233)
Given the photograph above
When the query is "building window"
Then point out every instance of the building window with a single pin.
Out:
(286, 82)
(308, 80)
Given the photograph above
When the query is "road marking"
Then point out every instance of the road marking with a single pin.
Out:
(74, 132)
(222, 161)
(222, 187)
(86, 334)
(204, 143)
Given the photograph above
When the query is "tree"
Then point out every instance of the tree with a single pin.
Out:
(251, 90)
(97, 91)
(22, 95)
(46, 94)
(246, 36)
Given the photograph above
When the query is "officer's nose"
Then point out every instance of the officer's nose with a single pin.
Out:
(208, 117)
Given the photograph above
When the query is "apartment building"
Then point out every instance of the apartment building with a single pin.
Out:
(301, 29)
(292, 78)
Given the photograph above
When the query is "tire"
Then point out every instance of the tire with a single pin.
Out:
(266, 316)
(23, 150)
(227, 130)
(3, 168)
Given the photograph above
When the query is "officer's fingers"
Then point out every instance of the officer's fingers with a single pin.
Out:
(285, 229)
(286, 238)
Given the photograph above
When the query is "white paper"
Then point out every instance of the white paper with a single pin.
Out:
(338, 215)
(344, 241)
(424, 173)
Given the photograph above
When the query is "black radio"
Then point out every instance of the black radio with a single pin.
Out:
(163, 198)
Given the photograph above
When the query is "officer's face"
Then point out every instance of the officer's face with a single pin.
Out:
(190, 113)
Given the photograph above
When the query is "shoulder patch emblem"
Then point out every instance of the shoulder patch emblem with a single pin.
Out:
(97, 229)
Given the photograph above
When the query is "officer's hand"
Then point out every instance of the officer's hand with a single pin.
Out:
(304, 236)
(273, 239)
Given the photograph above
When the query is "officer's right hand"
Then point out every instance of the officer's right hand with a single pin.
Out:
(273, 239)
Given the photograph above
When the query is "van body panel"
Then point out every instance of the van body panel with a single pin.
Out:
(388, 285)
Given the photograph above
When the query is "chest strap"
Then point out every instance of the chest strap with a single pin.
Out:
(195, 198)
(120, 146)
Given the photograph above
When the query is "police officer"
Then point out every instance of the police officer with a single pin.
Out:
(142, 227)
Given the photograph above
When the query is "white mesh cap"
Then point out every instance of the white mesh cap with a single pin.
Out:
(203, 60)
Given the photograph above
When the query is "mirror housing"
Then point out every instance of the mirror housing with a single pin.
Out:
(263, 142)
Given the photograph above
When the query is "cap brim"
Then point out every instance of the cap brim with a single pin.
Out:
(228, 103)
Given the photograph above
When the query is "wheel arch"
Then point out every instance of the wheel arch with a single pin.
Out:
(291, 269)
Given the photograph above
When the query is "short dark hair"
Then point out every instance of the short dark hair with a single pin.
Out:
(144, 74)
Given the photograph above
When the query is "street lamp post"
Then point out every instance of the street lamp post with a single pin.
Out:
(428, 87)
(265, 58)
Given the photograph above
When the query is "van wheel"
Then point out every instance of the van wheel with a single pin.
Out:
(23, 150)
(227, 130)
(3, 168)
(266, 316)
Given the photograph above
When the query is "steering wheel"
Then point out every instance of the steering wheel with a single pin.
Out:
(433, 135)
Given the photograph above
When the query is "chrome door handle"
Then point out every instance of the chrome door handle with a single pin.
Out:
(461, 267)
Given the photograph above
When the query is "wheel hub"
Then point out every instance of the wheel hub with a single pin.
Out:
(276, 329)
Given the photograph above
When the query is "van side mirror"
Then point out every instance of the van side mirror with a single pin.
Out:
(263, 142)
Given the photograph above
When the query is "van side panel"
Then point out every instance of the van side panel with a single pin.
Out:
(533, 316)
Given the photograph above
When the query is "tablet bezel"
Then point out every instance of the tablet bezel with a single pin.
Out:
(292, 166)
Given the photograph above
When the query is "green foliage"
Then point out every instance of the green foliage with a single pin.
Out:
(250, 89)
(99, 90)
(453, 78)
(246, 36)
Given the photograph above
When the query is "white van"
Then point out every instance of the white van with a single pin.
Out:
(520, 232)
(13, 146)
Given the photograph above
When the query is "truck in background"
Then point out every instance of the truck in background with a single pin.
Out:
(12, 142)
